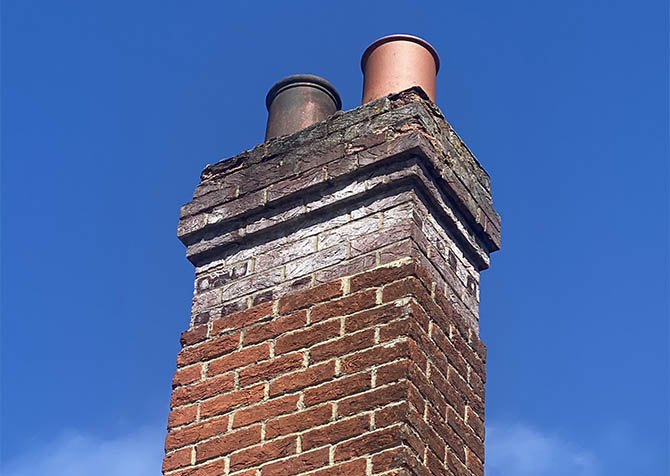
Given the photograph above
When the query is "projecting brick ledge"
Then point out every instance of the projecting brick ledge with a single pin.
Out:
(349, 157)
(371, 374)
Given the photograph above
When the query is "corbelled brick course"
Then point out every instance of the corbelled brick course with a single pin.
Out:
(335, 315)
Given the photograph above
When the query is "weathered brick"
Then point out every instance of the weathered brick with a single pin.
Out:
(342, 346)
(335, 432)
(309, 377)
(186, 375)
(243, 357)
(200, 431)
(368, 443)
(374, 356)
(193, 335)
(228, 401)
(298, 464)
(265, 410)
(374, 316)
(228, 443)
(372, 399)
(380, 276)
(241, 319)
(204, 389)
(308, 337)
(310, 296)
(275, 327)
(270, 368)
(257, 455)
(177, 459)
(349, 468)
(391, 414)
(392, 372)
(466, 433)
(337, 388)
(343, 306)
(209, 349)
(182, 416)
(299, 421)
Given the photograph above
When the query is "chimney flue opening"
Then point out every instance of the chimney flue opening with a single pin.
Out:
(397, 62)
(297, 102)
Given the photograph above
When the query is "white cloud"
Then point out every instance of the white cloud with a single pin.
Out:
(519, 450)
(139, 453)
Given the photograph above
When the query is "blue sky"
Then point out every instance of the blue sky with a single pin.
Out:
(111, 109)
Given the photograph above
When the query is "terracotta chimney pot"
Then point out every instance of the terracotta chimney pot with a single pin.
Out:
(297, 102)
(396, 62)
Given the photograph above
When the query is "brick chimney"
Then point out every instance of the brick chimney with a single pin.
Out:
(334, 326)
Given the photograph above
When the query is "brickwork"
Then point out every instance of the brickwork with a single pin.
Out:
(335, 318)
(360, 375)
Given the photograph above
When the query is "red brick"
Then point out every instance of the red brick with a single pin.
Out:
(298, 421)
(209, 349)
(350, 468)
(374, 398)
(271, 368)
(242, 318)
(182, 416)
(228, 401)
(368, 443)
(427, 390)
(450, 351)
(335, 432)
(275, 327)
(391, 414)
(298, 464)
(307, 337)
(204, 389)
(439, 424)
(271, 408)
(447, 390)
(303, 378)
(393, 330)
(193, 433)
(380, 276)
(410, 286)
(456, 467)
(343, 306)
(342, 346)
(390, 459)
(193, 335)
(260, 454)
(238, 359)
(337, 388)
(392, 372)
(473, 463)
(475, 422)
(228, 443)
(310, 296)
(177, 459)
(215, 467)
(374, 356)
(428, 435)
(372, 317)
(466, 433)
(435, 465)
(187, 375)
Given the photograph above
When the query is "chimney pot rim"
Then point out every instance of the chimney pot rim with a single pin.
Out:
(309, 80)
(400, 37)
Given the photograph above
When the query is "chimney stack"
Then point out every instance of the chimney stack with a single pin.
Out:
(335, 317)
